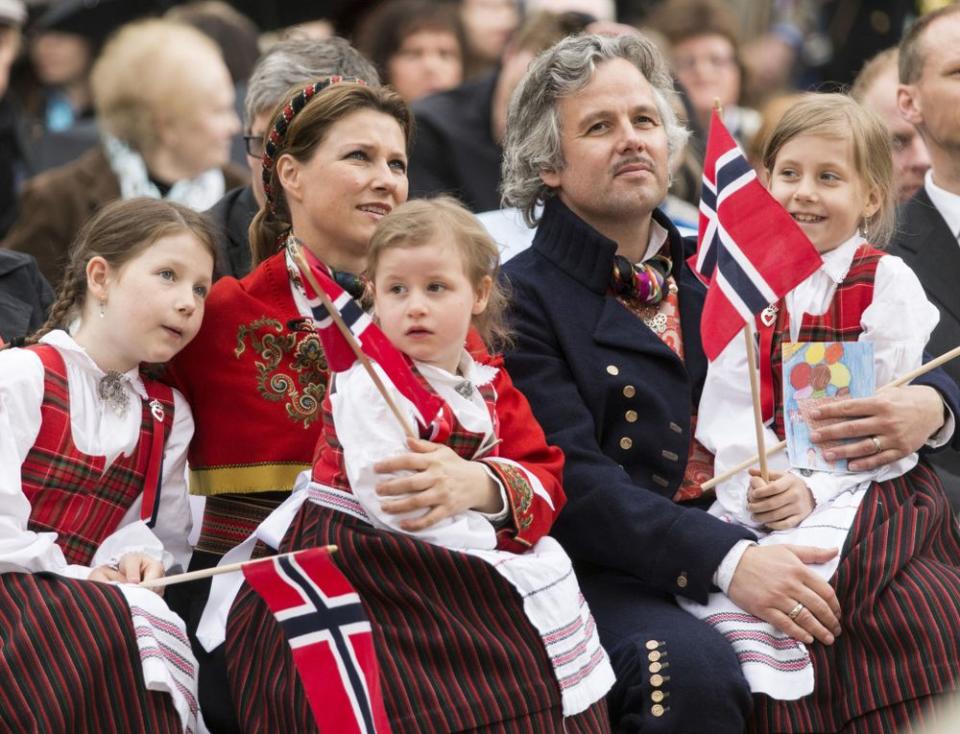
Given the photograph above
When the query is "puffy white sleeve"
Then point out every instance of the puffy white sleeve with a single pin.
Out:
(369, 432)
(167, 541)
(21, 394)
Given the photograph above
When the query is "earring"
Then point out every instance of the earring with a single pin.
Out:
(862, 227)
(101, 304)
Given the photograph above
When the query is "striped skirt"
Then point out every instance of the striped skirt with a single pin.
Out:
(69, 660)
(455, 648)
(899, 589)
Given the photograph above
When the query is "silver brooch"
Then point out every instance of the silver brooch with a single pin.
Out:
(111, 390)
(769, 315)
(657, 322)
(464, 388)
(156, 410)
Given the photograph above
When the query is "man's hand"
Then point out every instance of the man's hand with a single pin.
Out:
(901, 419)
(771, 580)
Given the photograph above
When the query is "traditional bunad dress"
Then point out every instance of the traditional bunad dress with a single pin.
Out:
(84, 481)
(898, 575)
(476, 622)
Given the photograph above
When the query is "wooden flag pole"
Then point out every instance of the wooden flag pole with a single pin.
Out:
(900, 381)
(752, 366)
(348, 335)
(182, 578)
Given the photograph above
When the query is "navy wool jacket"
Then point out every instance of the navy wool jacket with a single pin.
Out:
(618, 401)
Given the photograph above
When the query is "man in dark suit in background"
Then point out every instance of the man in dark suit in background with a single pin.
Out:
(929, 224)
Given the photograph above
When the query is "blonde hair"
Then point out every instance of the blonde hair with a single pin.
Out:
(838, 116)
(144, 70)
(417, 222)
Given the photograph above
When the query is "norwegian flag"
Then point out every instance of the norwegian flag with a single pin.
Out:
(324, 623)
(373, 342)
(750, 252)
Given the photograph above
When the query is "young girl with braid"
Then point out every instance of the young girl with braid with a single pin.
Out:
(92, 483)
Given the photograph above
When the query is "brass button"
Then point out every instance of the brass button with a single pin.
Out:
(612, 369)
(631, 416)
(657, 479)
(682, 580)
(669, 455)
(652, 645)
(656, 680)
(655, 667)
(653, 656)
(629, 391)
(626, 443)
(657, 709)
(657, 696)
(676, 428)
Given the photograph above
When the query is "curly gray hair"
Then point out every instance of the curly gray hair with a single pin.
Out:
(299, 61)
(532, 142)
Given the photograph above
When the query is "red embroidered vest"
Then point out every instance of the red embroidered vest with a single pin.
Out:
(69, 491)
(840, 322)
(328, 465)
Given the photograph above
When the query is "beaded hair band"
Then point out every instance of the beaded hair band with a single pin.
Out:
(279, 132)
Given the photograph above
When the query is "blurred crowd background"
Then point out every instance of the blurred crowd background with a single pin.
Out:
(101, 99)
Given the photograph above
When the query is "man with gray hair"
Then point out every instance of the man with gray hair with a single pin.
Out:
(291, 62)
(609, 355)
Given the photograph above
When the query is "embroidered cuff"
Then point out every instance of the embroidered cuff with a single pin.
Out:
(723, 576)
(519, 491)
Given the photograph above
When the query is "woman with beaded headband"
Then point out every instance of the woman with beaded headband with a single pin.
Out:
(335, 164)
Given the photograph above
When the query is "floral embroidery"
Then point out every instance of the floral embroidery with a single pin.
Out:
(519, 487)
(302, 386)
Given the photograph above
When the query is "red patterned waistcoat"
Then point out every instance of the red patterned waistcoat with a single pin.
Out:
(840, 322)
(70, 493)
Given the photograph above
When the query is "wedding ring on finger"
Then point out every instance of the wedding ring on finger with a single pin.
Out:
(795, 612)
(877, 448)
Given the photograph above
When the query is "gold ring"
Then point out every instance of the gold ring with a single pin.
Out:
(876, 444)
(795, 612)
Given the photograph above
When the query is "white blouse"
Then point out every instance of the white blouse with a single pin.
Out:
(98, 431)
(369, 432)
(898, 321)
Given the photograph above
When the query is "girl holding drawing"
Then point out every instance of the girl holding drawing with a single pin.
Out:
(898, 573)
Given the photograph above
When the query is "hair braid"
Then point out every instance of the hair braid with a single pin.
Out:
(71, 293)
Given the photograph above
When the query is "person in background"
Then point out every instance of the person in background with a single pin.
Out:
(25, 296)
(876, 89)
(12, 15)
(704, 55)
(457, 149)
(416, 45)
(164, 102)
(489, 25)
(296, 60)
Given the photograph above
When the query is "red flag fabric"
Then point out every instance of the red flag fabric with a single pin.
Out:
(325, 625)
(373, 342)
(750, 251)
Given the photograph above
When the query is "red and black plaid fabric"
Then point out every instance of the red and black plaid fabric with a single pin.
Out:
(69, 660)
(899, 589)
(456, 650)
(328, 467)
(69, 492)
(840, 322)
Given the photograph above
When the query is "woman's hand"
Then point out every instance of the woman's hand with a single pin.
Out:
(783, 502)
(131, 569)
(887, 426)
(442, 481)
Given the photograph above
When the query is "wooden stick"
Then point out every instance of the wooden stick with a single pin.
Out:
(755, 397)
(348, 335)
(900, 381)
(182, 578)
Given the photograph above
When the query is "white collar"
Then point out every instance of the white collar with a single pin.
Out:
(658, 235)
(947, 203)
(467, 369)
(69, 348)
(836, 262)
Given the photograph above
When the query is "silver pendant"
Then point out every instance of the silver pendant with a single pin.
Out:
(111, 391)
(769, 315)
(156, 410)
